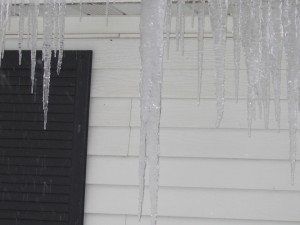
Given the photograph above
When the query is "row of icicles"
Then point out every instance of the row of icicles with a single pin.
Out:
(53, 34)
(262, 30)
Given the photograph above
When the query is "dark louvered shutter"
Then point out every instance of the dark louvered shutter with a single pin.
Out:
(42, 172)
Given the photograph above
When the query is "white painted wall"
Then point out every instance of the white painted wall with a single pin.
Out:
(208, 176)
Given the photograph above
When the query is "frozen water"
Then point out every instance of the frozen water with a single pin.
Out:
(201, 25)
(21, 29)
(290, 43)
(275, 45)
(47, 49)
(236, 16)
(151, 50)
(180, 25)
(61, 32)
(218, 16)
(34, 12)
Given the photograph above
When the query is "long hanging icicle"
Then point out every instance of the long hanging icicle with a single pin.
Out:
(34, 11)
(218, 16)
(47, 53)
(151, 50)
(265, 69)
(290, 43)
(4, 19)
(275, 53)
(61, 32)
(201, 25)
(250, 30)
(236, 16)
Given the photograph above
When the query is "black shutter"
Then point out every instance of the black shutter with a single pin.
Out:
(42, 172)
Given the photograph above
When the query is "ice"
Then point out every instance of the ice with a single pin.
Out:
(276, 46)
(180, 25)
(251, 37)
(4, 18)
(168, 24)
(47, 49)
(21, 29)
(201, 25)
(151, 50)
(61, 32)
(265, 58)
(34, 11)
(290, 43)
(55, 26)
(236, 16)
(218, 16)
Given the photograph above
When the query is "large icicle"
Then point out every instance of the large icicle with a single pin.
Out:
(34, 11)
(275, 45)
(290, 43)
(21, 29)
(201, 25)
(236, 16)
(151, 50)
(250, 30)
(47, 53)
(218, 16)
(265, 69)
(61, 32)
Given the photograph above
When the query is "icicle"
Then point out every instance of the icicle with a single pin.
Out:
(55, 26)
(250, 30)
(61, 23)
(265, 59)
(180, 25)
(28, 27)
(106, 11)
(290, 43)
(47, 47)
(236, 15)
(21, 29)
(298, 47)
(201, 25)
(218, 16)
(151, 50)
(276, 36)
(34, 11)
(168, 25)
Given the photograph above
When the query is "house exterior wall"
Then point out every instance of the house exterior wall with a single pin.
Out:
(208, 176)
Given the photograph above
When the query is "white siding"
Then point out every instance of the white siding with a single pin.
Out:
(208, 176)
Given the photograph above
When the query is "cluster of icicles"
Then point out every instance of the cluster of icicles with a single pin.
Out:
(53, 39)
(261, 28)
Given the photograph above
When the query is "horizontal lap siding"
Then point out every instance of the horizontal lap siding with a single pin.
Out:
(208, 176)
